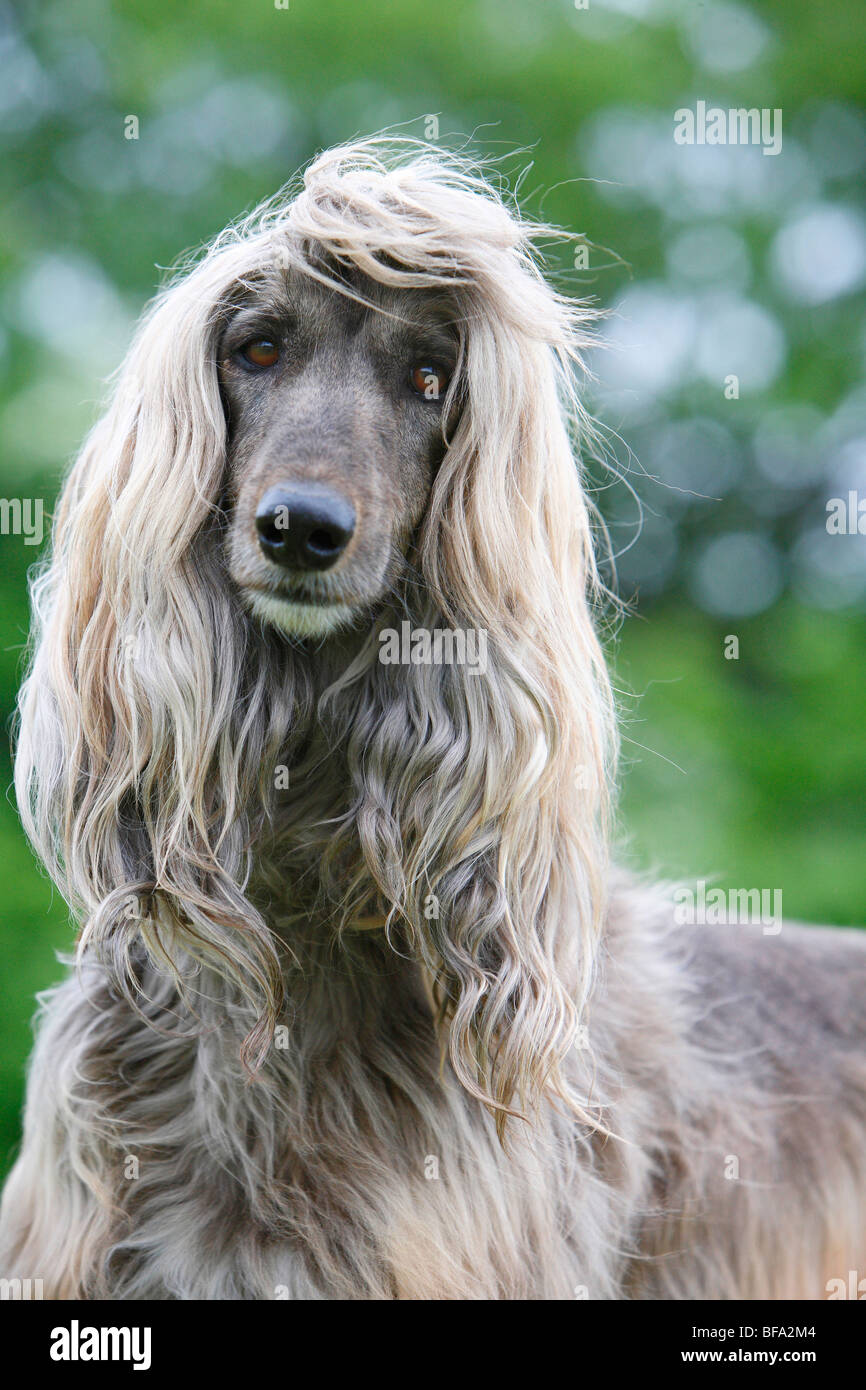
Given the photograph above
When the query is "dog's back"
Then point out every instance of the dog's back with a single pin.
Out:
(760, 1186)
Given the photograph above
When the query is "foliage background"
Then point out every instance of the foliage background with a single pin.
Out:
(714, 260)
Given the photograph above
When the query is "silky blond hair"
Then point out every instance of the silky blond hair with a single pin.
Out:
(130, 711)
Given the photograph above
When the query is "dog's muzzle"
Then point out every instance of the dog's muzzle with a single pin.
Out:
(304, 527)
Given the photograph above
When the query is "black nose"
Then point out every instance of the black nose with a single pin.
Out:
(304, 528)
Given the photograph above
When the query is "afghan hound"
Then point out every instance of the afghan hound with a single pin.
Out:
(318, 742)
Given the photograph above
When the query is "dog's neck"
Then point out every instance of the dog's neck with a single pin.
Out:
(314, 796)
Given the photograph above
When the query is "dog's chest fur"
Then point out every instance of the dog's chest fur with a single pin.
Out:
(354, 1166)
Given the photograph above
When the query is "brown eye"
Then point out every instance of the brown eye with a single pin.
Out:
(261, 352)
(429, 381)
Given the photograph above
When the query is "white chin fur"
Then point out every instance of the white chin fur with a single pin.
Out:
(300, 619)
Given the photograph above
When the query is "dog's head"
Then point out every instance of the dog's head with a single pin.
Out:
(337, 394)
(356, 405)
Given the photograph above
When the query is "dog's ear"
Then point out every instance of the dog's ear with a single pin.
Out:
(131, 772)
(485, 804)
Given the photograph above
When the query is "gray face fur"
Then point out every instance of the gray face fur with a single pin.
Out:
(337, 414)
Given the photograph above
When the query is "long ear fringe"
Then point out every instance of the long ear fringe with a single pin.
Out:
(137, 766)
(494, 805)
(487, 797)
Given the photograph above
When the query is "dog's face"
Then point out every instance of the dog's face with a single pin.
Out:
(335, 427)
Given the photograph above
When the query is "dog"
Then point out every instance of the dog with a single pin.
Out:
(361, 1007)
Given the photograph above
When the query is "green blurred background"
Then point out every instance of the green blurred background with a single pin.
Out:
(713, 260)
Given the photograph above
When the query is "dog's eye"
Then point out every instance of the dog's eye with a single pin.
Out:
(261, 352)
(429, 380)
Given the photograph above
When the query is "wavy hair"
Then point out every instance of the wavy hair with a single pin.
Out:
(155, 707)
